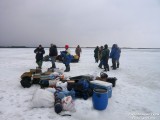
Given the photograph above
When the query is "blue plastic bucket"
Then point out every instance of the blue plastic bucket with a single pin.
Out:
(100, 98)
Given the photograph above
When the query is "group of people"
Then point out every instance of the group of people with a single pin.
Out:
(53, 53)
(103, 54)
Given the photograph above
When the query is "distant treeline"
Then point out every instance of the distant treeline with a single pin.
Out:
(70, 47)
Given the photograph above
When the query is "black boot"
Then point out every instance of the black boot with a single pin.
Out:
(108, 67)
(114, 64)
(67, 68)
(114, 67)
(105, 68)
(53, 65)
(100, 66)
(117, 65)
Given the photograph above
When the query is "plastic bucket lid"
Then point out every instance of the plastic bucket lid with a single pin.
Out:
(100, 90)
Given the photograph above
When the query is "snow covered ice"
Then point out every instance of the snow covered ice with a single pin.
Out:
(136, 95)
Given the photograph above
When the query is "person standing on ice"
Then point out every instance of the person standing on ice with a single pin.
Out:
(66, 58)
(115, 55)
(96, 54)
(39, 51)
(105, 57)
(78, 51)
(100, 56)
(53, 54)
(118, 54)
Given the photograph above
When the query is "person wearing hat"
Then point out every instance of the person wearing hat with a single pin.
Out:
(68, 58)
(67, 49)
(115, 55)
(53, 54)
(96, 53)
(100, 56)
(39, 51)
(78, 51)
(105, 57)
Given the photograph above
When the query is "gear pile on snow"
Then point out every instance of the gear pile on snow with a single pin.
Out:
(59, 91)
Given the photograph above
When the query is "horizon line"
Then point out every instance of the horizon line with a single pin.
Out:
(75, 47)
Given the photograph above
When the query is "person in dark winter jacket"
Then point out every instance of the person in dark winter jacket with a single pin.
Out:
(78, 51)
(105, 57)
(115, 55)
(96, 54)
(39, 55)
(53, 54)
(100, 56)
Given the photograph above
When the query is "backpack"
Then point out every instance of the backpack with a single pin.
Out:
(82, 89)
(112, 80)
(26, 82)
(103, 75)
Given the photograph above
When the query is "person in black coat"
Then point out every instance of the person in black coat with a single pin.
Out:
(39, 55)
(96, 53)
(53, 54)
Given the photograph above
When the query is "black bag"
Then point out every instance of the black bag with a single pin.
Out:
(103, 75)
(26, 82)
(59, 58)
(75, 60)
(35, 80)
(44, 83)
(112, 80)
(46, 58)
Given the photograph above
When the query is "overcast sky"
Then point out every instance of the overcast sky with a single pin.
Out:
(129, 23)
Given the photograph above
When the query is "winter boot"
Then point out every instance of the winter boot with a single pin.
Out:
(117, 65)
(108, 67)
(53, 65)
(67, 68)
(114, 64)
(100, 64)
(105, 68)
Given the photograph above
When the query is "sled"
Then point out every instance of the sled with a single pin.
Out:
(34, 71)
(74, 60)
(26, 74)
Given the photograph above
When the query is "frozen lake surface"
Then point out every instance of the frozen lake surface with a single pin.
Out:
(136, 95)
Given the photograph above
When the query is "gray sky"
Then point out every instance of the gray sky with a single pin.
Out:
(129, 23)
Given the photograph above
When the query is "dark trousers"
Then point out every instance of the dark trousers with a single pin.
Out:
(117, 63)
(53, 59)
(106, 65)
(100, 64)
(39, 63)
(114, 64)
(67, 67)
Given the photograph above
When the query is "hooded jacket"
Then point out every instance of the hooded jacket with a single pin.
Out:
(115, 52)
